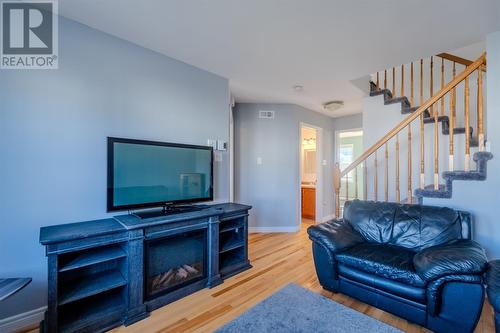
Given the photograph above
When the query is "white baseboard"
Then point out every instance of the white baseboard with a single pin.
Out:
(273, 229)
(22, 320)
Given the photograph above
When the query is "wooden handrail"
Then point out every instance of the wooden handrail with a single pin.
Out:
(454, 58)
(431, 101)
(459, 60)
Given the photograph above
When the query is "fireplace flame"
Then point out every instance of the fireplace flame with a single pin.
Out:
(175, 276)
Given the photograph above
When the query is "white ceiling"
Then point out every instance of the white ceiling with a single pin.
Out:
(265, 47)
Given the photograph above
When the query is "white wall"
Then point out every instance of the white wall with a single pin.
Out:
(53, 129)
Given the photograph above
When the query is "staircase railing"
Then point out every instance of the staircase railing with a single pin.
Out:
(427, 106)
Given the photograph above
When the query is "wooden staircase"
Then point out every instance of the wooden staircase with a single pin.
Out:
(406, 108)
(439, 109)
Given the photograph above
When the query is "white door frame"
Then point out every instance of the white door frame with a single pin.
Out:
(231, 151)
(337, 134)
(337, 144)
(319, 171)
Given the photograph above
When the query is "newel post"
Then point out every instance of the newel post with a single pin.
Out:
(336, 186)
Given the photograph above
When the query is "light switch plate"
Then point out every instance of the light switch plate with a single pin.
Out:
(212, 143)
(221, 145)
(259, 160)
(218, 156)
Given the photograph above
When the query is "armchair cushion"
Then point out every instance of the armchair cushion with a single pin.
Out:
(335, 235)
(387, 261)
(373, 220)
(412, 226)
(462, 256)
(418, 227)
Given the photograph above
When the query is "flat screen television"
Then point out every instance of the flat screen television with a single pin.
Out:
(143, 174)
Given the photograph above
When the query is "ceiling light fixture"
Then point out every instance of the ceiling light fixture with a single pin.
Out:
(298, 88)
(333, 105)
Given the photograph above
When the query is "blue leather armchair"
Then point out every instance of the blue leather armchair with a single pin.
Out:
(493, 290)
(417, 262)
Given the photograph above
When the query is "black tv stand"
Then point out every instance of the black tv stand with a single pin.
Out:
(168, 209)
(100, 272)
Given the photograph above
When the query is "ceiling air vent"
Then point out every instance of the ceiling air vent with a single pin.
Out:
(266, 114)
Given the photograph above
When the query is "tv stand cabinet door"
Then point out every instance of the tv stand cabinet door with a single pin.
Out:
(135, 271)
(214, 277)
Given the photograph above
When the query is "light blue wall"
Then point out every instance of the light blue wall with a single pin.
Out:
(53, 129)
(273, 187)
(348, 122)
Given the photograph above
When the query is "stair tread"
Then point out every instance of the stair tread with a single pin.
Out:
(430, 119)
(402, 100)
(381, 92)
(443, 192)
(463, 175)
(457, 130)
(430, 187)
(482, 155)
(459, 172)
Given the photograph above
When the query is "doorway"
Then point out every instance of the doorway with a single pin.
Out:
(349, 146)
(310, 174)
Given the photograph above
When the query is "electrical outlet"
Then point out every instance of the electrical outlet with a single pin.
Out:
(218, 156)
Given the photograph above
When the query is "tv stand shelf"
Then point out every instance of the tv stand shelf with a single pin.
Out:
(233, 244)
(97, 269)
(92, 285)
(93, 256)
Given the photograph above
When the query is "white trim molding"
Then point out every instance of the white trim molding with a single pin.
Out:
(273, 229)
(22, 320)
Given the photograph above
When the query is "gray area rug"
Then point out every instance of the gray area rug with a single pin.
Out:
(295, 309)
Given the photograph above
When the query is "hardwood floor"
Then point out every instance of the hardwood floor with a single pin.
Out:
(277, 259)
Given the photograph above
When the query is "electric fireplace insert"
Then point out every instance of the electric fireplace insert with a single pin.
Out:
(174, 262)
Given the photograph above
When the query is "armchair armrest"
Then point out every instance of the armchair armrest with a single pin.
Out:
(462, 256)
(335, 235)
(493, 283)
